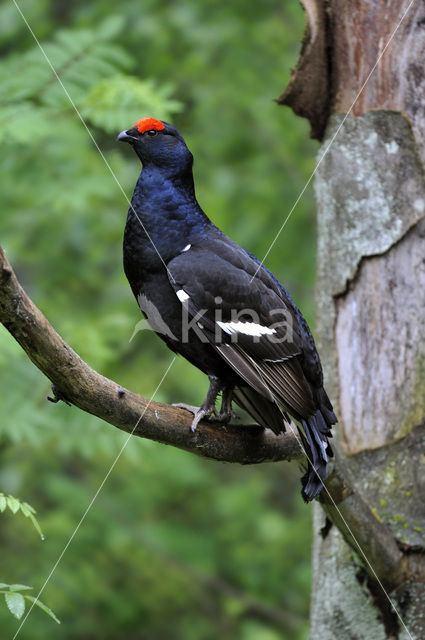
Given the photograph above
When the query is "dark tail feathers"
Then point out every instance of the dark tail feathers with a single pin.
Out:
(266, 413)
(315, 440)
(315, 437)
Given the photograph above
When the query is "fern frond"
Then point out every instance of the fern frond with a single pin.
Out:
(118, 101)
(91, 67)
(80, 57)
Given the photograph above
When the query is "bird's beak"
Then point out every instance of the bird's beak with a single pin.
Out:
(125, 136)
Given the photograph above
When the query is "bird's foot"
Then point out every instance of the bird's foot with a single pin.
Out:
(188, 407)
(207, 410)
(207, 413)
(226, 416)
(199, 413)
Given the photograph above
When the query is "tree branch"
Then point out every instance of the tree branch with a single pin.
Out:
(74, 381)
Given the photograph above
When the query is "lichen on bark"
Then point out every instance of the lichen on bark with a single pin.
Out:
(371, 304)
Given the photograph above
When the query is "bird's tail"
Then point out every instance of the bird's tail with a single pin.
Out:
(314, 436)
(317, 430)
(265, 412)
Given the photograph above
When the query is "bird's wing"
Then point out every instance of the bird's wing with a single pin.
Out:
(249, 320)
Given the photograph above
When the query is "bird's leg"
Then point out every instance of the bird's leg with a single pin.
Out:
(208, 406)
(226, 413)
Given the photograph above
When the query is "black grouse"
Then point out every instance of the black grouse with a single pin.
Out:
(213, 302)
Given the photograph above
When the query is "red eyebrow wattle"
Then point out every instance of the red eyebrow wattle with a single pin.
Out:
(146, 124)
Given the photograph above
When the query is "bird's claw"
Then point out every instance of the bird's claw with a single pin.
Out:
(227, 416)
(199, 413)
(187, 407)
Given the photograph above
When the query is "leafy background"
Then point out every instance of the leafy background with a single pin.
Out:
(175, 546)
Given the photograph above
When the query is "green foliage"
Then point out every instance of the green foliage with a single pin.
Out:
(16, 505)
(119, 99)
(15, 600)
(82, 68)
(15, 603)
(211, 545)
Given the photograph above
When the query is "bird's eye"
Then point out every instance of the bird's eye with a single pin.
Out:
(152, 132)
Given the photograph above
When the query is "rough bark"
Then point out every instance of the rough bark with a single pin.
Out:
(76, 383)
(370, 189)
(308, 90)
(371, 308)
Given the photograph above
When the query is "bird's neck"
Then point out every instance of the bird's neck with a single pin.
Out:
(156, 182)
(164, 214)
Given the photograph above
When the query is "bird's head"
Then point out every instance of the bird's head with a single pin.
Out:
(158, 143)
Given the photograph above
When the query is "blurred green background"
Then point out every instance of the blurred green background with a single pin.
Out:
(175, 547)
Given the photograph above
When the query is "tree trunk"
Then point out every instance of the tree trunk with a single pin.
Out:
(372, 316)
(371, 295)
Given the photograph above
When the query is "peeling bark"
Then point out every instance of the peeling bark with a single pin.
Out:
(380, 346)
(342, 42)
(364, 182)
(75, 383)
(308, 90)
(371, 192)
(371, 307)
(371, 210)
(360, 31)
